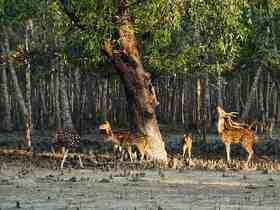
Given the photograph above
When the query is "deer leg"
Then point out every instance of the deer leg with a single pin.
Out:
(65, 154)
(190, 152)
(122, 154)
(142, 156)
(80, 161)
(141, 149)
(52, 150)
(184, 150)
(250, 154)
(130, 153)
(227, 145)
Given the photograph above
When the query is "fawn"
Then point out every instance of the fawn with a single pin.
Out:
(235, 133)
(124, 139)
(186, 143)
(68, 140)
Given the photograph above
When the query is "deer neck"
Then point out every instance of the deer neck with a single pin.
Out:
(112, 137)
(221, 125)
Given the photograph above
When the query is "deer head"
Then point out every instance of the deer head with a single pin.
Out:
(105, 126)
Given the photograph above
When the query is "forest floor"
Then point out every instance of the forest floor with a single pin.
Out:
(35, 182)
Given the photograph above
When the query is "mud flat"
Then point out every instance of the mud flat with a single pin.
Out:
(37, 188)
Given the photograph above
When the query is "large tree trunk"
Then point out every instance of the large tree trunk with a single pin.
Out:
(139, 90)
(5, 106)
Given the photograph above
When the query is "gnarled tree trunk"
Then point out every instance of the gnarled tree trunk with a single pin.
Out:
(139, 90)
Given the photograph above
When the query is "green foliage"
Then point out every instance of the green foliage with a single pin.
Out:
(95, 20)
(222, 26)
(12, 11)
(172, 35)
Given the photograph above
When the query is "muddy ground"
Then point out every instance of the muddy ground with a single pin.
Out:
(33, 182)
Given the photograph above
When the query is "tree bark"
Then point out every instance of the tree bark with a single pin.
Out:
(19, 96)
(267, 97)
(18, 93)
(261, 115)
(57, 101)
(64, 101)
(28, 34)
(5, 104)
(43, 110)
(77, 96)
(220, 89)
(138, 87)
(251, 97)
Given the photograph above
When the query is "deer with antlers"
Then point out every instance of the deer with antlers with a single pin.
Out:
(232, 132)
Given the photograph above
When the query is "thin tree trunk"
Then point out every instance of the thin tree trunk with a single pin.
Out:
(267, 97)
(251, 98)
(19, 96)
(43, 110)
(64, 100)
(237, 95)
(18, 93)
(207, 102)
(182, 111)
(57, 101)
(261, 115)
(6, 107)
(220, 89)
(199, 107)
(77, 96)
(173, 102)
(28, 34)
(275, 103)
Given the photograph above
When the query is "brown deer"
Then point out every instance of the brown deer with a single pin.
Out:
(263, 126)
(124, 139)
(186, 144)
(235, 133)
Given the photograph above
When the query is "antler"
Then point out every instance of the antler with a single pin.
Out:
(234, 124)
(224, 114)
(228, 116)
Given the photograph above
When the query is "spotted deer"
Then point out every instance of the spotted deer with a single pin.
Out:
(67, 140)
(125, 139)
(232, 132)
(186, 144)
